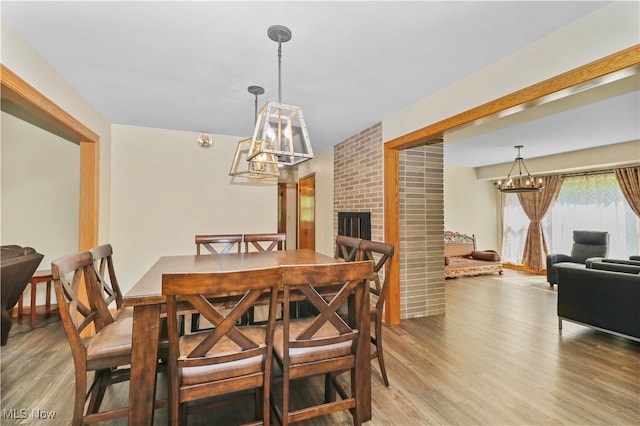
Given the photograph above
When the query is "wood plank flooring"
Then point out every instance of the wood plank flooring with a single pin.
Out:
(495, 358)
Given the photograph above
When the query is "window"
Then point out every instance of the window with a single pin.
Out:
(589, 202)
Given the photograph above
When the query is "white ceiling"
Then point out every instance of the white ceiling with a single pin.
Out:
(187, 65)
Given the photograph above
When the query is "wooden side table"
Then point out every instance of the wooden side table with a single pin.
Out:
(43, 276)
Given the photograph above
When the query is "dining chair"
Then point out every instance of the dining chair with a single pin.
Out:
(260, 243)
(264, 242)
(106, 353)
(227, 358)
(324, 344)
(108, 296)
(216, 244)
(107, 286)
(381, 254)
(347, 248)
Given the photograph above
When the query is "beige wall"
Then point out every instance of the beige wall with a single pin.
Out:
(40, 190)
(470, 206)
(166, 189)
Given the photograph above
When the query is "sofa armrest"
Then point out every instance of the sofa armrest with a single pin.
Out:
(552, 259)
(622, 261)
(604, 299)
(616, 267)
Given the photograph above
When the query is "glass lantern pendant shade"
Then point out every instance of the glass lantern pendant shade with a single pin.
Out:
(255, 168)
(280, 135)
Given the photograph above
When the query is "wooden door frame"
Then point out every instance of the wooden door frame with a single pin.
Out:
(624, 62)
(298, 209)
(39, 110)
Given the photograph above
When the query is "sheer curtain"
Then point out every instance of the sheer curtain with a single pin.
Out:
(590, 202)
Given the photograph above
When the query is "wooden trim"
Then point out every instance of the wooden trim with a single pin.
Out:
(552, 88)
(49, 115)
(392, 230)
(523, 268)
(89, 195)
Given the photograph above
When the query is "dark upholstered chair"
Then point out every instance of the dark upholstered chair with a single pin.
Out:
(18, 266)
(586, 244)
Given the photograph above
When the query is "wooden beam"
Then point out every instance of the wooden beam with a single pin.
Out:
(37, 108)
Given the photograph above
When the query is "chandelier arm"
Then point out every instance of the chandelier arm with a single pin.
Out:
(511, 170)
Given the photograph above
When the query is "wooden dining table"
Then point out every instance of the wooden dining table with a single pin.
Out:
(147, 300)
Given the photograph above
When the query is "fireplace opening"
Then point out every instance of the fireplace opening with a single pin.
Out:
(355, 224)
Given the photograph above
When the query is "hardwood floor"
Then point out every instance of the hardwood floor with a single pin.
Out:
(496, 357)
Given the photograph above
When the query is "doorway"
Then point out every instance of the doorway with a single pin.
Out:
(307, 212)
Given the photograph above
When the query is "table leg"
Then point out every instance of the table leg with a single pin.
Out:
(362, 382)
(144, 360)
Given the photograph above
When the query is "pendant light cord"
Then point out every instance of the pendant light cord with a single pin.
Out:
(279, 72)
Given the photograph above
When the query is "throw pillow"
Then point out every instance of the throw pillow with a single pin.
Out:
(489, 255)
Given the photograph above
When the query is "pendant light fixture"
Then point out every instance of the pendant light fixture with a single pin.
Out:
(256, 168)
(280, 132)
(520, 183)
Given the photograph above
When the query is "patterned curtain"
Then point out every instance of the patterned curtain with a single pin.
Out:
(535, 205)
(629, 181)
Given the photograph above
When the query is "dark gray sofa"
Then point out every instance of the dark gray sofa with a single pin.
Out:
(605, 296)
(586, 245)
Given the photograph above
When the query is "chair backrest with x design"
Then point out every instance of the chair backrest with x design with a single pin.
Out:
(325, 343)
(264, 242)
(347, 248)
(380, 253)
(218, 244)
(107, 290)
(227, 357)
(107, 349)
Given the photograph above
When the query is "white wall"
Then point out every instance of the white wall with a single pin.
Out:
(166, 189)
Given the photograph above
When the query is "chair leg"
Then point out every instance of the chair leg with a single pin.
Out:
(285, 400)
(329, 389)
(97, 390)
(379, 353)
(81, 394)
